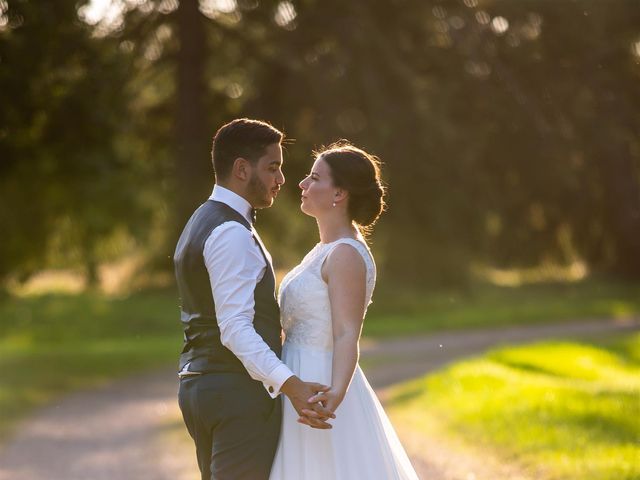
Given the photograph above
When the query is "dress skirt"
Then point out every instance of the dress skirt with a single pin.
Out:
(362, 445)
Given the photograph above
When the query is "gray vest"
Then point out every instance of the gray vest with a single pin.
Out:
(202, 347)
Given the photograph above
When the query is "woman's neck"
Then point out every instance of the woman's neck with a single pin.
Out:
(333, 228)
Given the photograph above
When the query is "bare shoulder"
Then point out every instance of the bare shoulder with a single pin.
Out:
(345, 260)
(345, 252)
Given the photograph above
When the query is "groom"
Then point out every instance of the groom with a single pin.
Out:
(230, 371)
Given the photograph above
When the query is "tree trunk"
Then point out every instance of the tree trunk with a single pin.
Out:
(193, 170)
(621, 182)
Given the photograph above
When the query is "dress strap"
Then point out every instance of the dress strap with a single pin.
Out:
(357, 244)
(367, 257)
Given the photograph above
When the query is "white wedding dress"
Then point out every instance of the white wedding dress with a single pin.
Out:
(362, 444)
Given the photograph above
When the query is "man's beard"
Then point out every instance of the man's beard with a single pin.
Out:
(258, 192)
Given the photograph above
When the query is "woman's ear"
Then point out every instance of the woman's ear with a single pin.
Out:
(340, 194)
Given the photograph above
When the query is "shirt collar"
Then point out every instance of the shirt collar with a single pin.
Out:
(235, 201)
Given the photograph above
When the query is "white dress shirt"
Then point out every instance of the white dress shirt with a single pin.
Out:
(234, 260)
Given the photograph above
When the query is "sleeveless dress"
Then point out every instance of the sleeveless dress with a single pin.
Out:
(362, 445)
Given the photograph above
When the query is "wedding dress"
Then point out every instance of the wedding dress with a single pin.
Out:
(362, 444)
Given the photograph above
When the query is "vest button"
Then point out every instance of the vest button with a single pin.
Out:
(270, 389)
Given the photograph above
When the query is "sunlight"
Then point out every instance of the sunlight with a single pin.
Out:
(96, 11)
(4, 20)
(499, 25)
(483, 18)
(439, 12)
(285, 15)
(531, 30)
(477, 69)
(168, 6)
(155, 48)
(234, 90)
(211, 8)
(547, 272)
(49, 281)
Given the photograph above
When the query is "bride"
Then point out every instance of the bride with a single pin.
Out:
(323, 303)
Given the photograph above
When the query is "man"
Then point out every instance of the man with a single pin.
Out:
(230, 373)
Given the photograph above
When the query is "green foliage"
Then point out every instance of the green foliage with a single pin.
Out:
(560, 409)
(66, 183)
(509, 136)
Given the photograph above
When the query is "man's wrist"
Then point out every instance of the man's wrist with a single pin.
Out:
(290, 385)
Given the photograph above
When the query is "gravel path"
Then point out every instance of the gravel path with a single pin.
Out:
(131, 429)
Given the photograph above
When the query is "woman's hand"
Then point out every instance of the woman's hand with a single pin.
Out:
(331, 400)
(312, 414)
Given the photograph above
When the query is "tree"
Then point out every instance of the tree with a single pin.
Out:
(63, 109)
(508, 136)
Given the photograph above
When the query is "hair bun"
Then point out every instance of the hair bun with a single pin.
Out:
(358, 172)
(368, 204)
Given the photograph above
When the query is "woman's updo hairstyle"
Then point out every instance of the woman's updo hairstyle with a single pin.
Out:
(357, 172)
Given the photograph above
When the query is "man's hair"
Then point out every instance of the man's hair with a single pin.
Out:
(244, 138)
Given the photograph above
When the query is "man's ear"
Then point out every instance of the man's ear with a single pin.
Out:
(241, 169)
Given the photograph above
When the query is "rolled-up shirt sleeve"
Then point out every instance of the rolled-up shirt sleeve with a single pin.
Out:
(235, 265)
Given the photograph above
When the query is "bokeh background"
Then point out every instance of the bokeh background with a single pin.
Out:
(509, 132)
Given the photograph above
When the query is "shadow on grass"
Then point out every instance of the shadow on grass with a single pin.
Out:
(603, 430)
(529, 368)
(408, 393)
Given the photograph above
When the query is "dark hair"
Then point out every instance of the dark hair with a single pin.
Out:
(244, 138)
(357, 172)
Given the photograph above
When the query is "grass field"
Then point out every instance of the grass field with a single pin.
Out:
(560, 410)
(51, 344)
(407, 312)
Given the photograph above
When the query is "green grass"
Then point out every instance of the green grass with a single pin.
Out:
(393, 313)
(93, 316)
(559, 409)
(399, 312)
(53, 344)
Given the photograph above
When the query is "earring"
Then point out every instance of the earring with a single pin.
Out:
(334, 204)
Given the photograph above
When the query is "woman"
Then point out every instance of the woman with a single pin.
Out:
(323, 302)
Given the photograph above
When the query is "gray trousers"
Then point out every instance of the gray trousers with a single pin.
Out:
(234, 423)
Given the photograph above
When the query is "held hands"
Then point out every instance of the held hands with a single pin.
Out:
(313, 414)
(329, 398)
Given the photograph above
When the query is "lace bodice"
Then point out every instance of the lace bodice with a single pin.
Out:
(305, 311)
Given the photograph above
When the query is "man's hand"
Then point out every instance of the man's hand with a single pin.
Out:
(299, 393)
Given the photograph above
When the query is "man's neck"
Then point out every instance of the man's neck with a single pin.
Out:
(235, 189)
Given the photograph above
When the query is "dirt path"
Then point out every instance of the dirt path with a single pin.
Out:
(132, 429)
